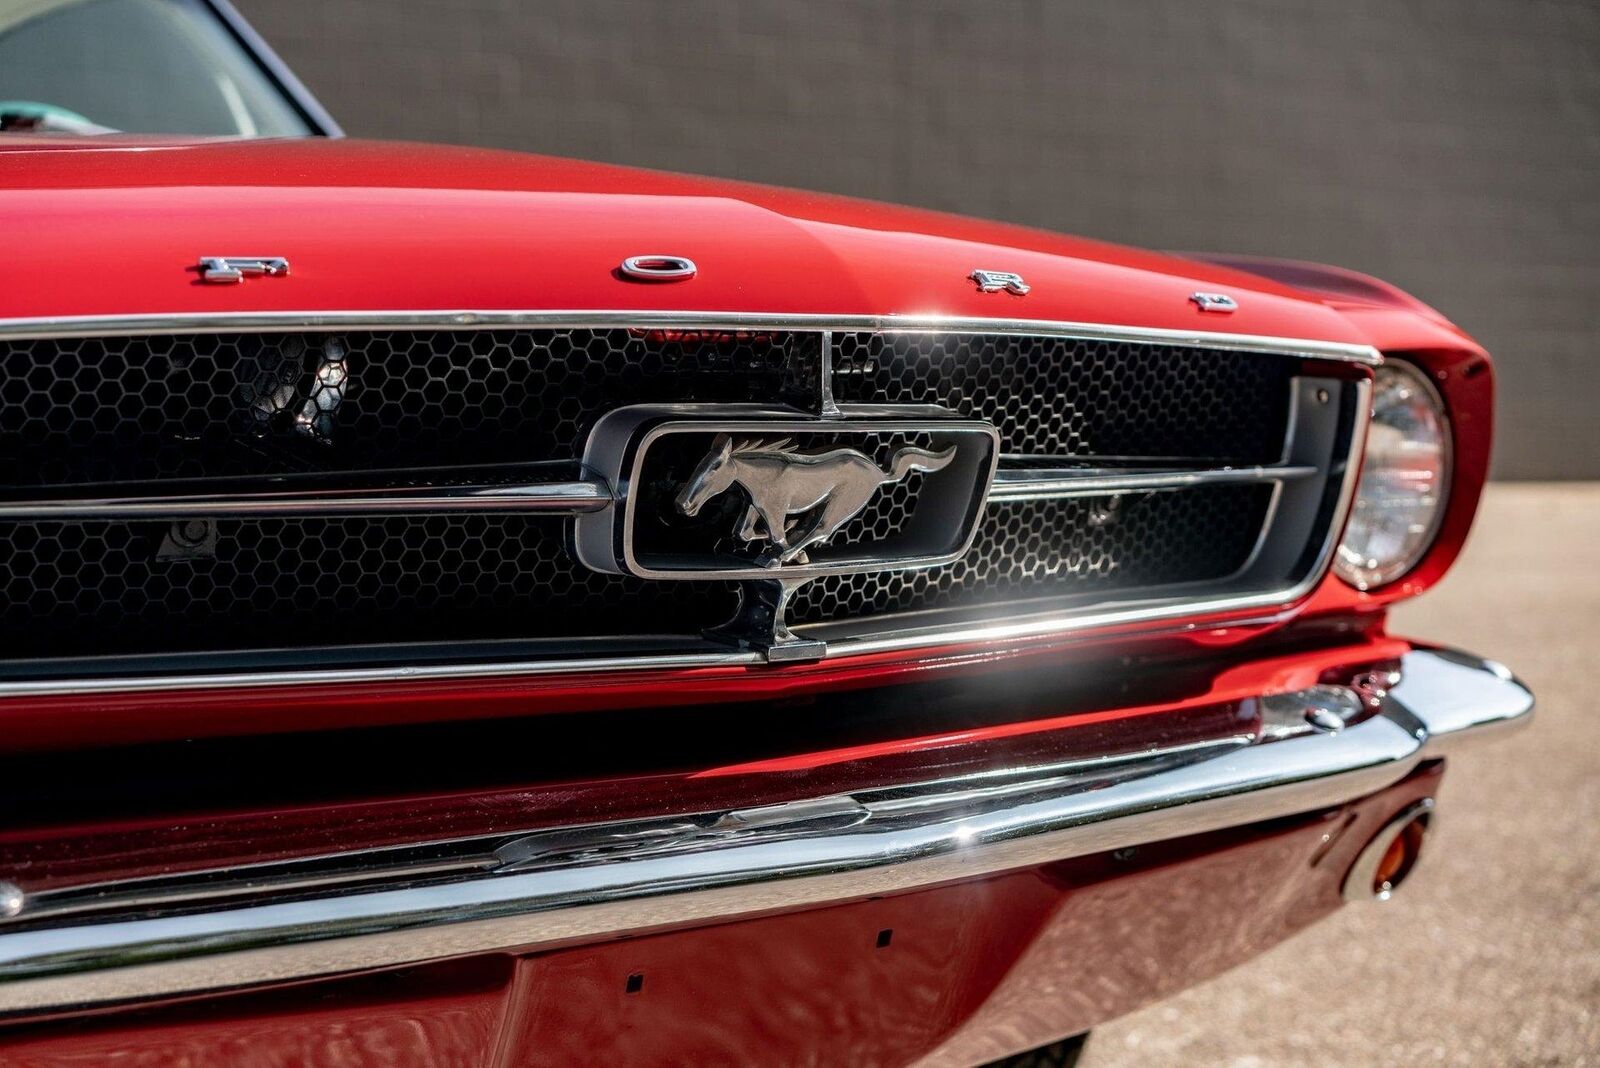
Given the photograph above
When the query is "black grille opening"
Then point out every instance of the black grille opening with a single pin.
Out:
(1065, 397)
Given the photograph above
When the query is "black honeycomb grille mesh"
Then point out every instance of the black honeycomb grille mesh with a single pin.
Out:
(86, 410)
(1066, 397)
(1043, 549)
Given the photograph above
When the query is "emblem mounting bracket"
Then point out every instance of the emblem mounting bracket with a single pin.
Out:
(758, 623)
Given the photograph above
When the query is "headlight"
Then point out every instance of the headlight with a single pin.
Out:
(1404, 480)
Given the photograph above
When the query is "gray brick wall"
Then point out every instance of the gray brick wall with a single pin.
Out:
(1450, 146)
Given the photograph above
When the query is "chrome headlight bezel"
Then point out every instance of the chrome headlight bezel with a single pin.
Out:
(1398, 387)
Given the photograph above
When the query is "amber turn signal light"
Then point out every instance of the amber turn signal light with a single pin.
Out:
(1387, 860)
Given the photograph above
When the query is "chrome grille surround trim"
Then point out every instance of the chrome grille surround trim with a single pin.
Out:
(586, 883)
(843, 639)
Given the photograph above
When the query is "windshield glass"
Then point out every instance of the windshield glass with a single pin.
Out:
(144, 66)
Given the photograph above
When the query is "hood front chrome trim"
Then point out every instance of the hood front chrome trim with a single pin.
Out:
(228, 322)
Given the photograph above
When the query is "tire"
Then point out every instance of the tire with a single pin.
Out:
(1063, 1054)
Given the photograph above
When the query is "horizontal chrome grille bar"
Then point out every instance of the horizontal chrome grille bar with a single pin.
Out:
(222, 322)
(586, 883)
(580, 496)
(544, 498)
(1039, 484)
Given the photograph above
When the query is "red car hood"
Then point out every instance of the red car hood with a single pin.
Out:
(100, 226)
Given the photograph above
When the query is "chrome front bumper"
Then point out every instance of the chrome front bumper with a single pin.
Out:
(1307, 751)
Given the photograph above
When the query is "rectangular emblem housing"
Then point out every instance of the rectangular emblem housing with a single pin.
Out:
(699, 490)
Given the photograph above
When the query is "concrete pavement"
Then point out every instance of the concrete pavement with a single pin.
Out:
(1491, 953)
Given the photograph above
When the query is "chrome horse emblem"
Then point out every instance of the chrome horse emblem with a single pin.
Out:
(797, 499)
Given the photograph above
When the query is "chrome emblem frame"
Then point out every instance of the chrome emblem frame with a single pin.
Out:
(671, 467)
(995, 281)
(229, 270)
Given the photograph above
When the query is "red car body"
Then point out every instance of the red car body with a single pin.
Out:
(932, 954)
(477, 231)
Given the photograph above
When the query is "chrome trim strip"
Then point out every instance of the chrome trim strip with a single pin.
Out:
(210, 322)
(1040, 484)
(827, 404)
(231, 680)
(586, 883)
(545, 498)
(581, 497)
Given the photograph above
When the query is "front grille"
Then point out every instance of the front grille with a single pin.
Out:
(86, 416)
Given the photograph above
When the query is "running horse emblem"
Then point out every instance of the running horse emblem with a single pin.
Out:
(797, 499)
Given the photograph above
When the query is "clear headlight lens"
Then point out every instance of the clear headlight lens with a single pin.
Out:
(1404, 480)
